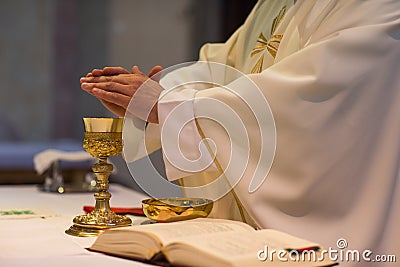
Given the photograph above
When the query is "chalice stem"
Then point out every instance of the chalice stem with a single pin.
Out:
(102, 170)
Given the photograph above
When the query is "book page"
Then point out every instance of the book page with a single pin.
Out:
(232, 246)
(144, 241)
(236, 248)
(168, 232)
(286, 241)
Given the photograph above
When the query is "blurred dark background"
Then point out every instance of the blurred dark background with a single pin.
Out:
(46, 45)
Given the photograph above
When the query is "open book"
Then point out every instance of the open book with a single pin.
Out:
(210, 242)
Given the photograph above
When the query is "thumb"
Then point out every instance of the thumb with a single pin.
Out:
(135, 70)
(156, 72)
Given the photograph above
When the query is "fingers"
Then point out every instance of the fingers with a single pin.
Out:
(111, 71)
(126, 79)
(115, 74)
(155, 70)
(109, 87)
(97, 72)
(135, 70)
(100, 79)
(107, 71)
(112, 97)
(114, 71)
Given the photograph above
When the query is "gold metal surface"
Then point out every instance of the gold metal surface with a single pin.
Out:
(176, 209)
(103, 138)
(103, 124)
(103, 144)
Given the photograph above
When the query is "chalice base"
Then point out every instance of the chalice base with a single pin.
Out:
(94, 223)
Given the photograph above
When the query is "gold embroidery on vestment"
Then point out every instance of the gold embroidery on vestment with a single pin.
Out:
(270, 45)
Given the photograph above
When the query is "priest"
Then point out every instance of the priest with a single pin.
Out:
(312, 87)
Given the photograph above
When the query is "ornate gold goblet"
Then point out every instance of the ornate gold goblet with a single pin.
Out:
(103, 139)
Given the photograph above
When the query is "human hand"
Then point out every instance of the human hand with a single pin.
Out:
(107, 71)
(115, 88)
(111, 71)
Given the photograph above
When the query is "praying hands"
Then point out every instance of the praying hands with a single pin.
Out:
(115, 87)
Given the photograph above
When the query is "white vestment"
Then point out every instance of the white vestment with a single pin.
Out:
(332, 80)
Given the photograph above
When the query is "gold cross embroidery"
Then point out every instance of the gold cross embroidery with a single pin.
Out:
(270, 45)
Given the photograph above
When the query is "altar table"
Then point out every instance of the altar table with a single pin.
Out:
(41, 241)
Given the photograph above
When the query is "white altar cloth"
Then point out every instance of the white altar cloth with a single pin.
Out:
(42, 241)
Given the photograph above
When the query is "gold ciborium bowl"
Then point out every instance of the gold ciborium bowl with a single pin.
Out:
(176, 209)
(103, 139)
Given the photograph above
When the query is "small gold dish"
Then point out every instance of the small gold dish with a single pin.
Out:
(176, 209)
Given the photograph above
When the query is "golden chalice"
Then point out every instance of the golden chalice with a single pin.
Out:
(103, 139)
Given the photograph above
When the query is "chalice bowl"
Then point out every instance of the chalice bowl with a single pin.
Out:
(103, 139)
